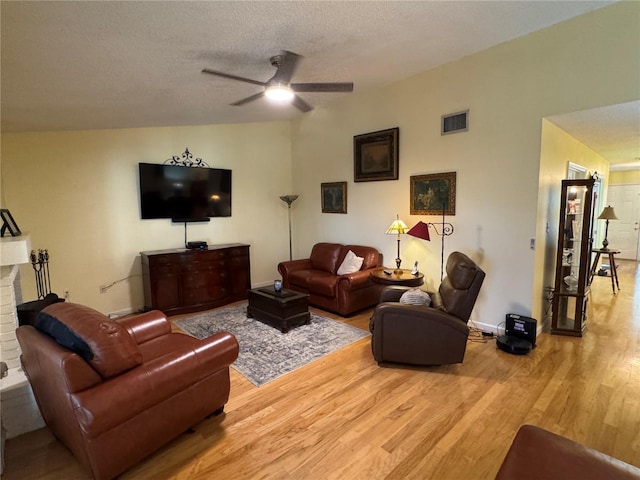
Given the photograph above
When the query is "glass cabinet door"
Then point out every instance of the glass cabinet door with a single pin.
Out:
(573, 257)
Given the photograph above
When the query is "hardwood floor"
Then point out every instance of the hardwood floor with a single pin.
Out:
(344, 417)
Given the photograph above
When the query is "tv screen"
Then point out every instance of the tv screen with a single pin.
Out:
(184, 193)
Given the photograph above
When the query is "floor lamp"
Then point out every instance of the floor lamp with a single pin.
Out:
(442, 229)
(289, 199)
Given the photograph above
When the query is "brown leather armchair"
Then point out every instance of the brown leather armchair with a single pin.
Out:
(433, 335)
(118, 391)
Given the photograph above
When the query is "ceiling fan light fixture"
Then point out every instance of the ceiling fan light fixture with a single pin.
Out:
(279, 93)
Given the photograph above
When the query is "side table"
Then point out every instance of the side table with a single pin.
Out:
(612, 265)
(396, 277)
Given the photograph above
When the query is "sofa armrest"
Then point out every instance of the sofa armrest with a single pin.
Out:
(147, 326)
(565, 459)
(122, 397)
(355, 280)
(285, 268)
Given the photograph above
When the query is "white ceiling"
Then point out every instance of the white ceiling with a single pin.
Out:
(115, 64)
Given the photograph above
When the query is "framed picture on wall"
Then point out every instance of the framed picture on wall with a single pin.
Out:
(433, 194)
(376, 156)
(334, 197)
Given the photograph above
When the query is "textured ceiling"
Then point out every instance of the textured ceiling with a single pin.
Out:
(116, 64)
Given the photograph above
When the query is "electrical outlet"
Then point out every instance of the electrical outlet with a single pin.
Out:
(532, 244)
(67, 295)
(103, 289)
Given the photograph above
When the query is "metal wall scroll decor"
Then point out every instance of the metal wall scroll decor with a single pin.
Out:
(186, 160)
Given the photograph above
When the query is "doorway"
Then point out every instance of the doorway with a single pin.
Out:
(624, 233)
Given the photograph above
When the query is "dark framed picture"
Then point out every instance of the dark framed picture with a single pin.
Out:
(334, 197)
(433, 194)
(375, 156)
(8, 223)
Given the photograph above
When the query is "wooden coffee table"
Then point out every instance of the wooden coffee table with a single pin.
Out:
(283, 310)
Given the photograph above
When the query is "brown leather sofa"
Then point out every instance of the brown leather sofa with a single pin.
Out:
(118, 391)
(428, 335)
(317, 276)
(538, 454)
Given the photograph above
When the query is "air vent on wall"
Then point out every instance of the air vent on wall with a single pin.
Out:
(455, 122)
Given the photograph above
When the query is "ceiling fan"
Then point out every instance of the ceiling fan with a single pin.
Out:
(280, 88)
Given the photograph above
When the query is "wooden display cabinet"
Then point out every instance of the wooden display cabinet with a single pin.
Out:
(181, 280)
(573, 258)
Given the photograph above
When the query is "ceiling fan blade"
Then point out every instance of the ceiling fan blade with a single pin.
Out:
(233, 77)
(287, 64)
(247, 100)
(322, 87)
(301, 104)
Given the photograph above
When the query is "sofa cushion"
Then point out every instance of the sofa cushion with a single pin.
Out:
(350, 264)
(62, 334)
(369, 254)
(114, 350)
(300, 278)
(324, 257)
(323, 283)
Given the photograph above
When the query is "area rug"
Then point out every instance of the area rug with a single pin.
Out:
(265, 352)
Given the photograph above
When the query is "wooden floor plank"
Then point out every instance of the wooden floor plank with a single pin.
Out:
(345, 417)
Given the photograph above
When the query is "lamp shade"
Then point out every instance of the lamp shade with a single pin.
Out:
(289, 199)
(397, 227)
(420, 230)
(608, 214)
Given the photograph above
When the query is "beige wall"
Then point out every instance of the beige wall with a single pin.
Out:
(77, 194)
(557, 150)
(624, 177)
(583, 63)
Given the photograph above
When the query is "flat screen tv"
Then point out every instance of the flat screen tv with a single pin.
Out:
(184, 194)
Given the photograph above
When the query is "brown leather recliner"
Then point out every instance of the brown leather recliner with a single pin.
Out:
(428, 335)
(118, 391)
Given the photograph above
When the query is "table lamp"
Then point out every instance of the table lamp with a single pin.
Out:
(397, 227)
(607, 214)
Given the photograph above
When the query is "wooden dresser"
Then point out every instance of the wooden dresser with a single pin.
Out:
(181, 280)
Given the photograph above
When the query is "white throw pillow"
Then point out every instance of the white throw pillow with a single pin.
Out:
(350, 264)
(415, 296)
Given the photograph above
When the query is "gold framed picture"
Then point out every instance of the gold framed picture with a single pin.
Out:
(433, 194)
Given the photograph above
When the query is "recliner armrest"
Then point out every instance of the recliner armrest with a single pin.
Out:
(392, 293)
(147, 326)
(122, 397)
(417, 317)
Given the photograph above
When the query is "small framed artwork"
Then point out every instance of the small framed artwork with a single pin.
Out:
(376, 156)
(8, 223)
(433, 194)
(334, 197)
